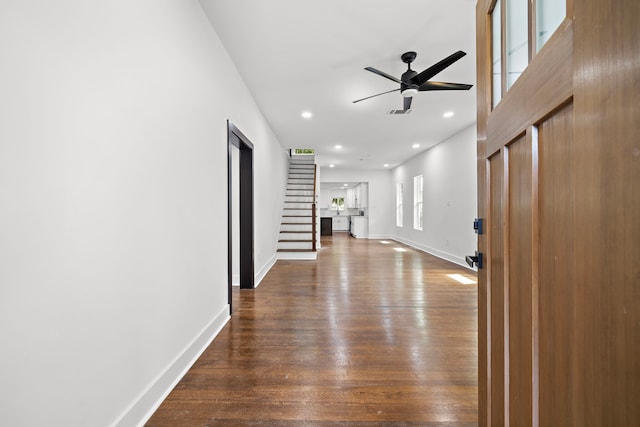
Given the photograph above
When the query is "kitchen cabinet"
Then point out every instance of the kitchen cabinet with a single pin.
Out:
(362, 194)
(350, 201)
(360, 227)
(340, 223)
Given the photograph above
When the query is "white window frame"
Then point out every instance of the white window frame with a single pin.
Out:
(337, 204)
(418, 213)
(399, 210)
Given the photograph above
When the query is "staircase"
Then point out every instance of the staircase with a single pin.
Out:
(297, 238)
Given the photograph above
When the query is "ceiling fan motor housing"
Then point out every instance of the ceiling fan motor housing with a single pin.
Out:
(407, 88)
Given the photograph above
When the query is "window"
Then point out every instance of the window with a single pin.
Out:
(299, 151)
(417, 202)
(517, 38)
(337, 203)
(496, 53)
(512, 48)
(399, 204)
(549, 16)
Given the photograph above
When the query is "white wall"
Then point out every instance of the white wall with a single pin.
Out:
(449, 198)
(381, 205)
(113, 189)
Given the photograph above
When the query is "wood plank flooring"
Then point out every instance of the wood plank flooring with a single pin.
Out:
(364, 336)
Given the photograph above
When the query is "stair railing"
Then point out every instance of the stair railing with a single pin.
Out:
(313, 211)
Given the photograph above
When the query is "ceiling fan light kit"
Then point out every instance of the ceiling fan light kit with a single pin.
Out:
(412, 82)
(407, 93)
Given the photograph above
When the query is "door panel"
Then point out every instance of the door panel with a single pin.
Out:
(555, 283)
(519, 254)
(607, 221)
(496, 293)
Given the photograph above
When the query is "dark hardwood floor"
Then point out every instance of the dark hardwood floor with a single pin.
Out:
(364, 336)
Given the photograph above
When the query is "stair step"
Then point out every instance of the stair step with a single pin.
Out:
(292, 237)
(295, 193)
(295, 199)
(300, 187)
(296, 244)
(296, 228)
(298, 211)
(296, 219)
(298, 205)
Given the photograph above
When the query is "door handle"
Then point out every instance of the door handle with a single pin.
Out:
(474, 259)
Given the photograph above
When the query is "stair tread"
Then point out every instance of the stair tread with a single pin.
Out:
(296, 250)
(295, 241)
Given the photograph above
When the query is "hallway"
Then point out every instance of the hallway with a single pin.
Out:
(371, 334)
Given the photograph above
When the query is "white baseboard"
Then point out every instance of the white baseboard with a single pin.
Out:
(139, 412)
(265, 269)
(379, 237)
(435, 252)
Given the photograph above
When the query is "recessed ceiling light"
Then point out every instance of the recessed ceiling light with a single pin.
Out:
(338, 146)
(448, 114)
(416, 146)
(332, 166)
(306, 114)
(386, 165)
(345, 185)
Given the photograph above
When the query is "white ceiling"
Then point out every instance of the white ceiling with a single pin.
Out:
(297, 55)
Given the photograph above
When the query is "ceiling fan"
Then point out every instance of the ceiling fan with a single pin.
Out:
(412, 82)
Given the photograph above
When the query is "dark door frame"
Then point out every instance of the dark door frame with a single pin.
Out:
(235, 138)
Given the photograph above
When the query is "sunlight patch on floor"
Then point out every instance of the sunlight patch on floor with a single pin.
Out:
(460, 278)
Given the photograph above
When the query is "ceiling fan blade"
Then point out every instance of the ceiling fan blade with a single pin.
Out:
(444, 86)
(383, 74)
(407, 102)
(389, 91)
(436, 68)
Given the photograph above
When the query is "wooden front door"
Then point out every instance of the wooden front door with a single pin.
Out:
(559, 193)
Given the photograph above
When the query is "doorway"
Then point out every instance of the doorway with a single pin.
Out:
(237, 140)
